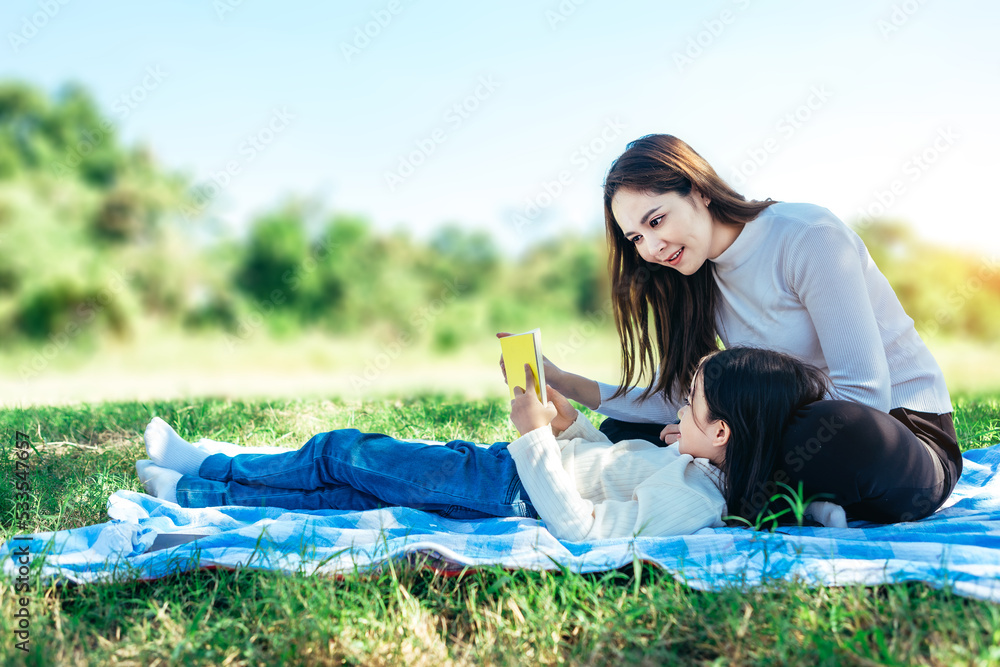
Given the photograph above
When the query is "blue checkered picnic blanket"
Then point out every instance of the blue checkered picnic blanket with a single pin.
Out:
(958, 547)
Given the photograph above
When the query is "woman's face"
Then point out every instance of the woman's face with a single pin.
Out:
(699, 436)
(672, 230)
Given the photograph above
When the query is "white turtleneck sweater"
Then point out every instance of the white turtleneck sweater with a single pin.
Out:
(800, 281)
(586, 488)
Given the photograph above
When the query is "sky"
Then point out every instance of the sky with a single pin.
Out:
(505, 116)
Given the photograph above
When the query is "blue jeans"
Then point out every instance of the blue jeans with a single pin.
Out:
(350, 470)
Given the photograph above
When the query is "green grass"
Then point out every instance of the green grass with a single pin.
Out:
(407, 613)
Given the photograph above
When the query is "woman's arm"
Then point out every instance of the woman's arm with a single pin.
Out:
(826, 269)
(580, 389)
(655, 409)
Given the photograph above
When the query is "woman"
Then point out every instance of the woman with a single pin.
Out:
(692, 262)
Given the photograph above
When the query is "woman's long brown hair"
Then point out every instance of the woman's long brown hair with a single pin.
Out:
(679, 309)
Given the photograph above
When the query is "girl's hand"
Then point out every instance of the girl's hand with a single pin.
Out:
(552, 372)
(670, 433)
(565, 413)
(526, 411)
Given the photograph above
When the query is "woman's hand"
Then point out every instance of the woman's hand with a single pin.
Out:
(552, 373)
(670, 433)
(526, 411)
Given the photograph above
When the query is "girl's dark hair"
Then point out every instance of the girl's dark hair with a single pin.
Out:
(756, 392)
(683, 307)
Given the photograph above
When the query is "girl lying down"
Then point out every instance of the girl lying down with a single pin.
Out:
(561, 469)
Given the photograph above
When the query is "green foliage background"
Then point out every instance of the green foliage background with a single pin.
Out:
(96, 236)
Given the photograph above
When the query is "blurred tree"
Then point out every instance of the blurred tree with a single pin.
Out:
(888, 240)
(22, 115)
(587, 264)
(67, 136)
(566, 277)
(945, 290)
(63, 310)
(121, 217)
(275, 251)
(468, 257)
(86, 143)
(67, 189)
(77, 207)
(347, 290)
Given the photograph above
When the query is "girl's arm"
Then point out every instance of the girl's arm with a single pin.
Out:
(677, 500)
(527, 412)
(678, 503)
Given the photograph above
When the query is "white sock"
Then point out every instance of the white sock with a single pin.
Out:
(828, 514)
(159, 482)
(169, 450)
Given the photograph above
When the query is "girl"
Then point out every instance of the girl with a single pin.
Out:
(693, 262)
(561, 469)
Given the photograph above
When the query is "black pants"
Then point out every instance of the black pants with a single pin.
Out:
(881, 467)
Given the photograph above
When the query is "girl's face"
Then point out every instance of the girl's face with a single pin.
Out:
(700, 437)
(672, 230)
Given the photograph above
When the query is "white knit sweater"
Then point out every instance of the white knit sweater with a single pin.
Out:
(798, 280)
(586, 488)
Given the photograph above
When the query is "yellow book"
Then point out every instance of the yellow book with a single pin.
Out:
(521, 349)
